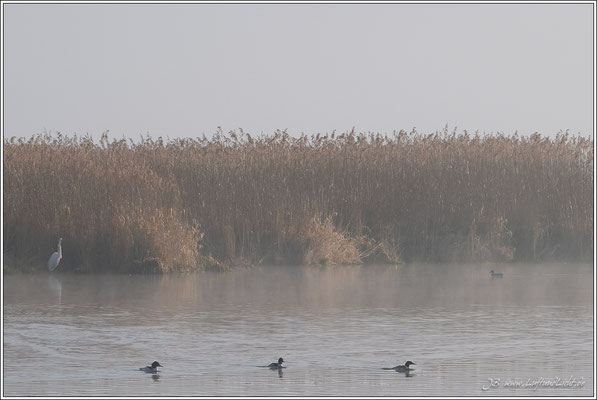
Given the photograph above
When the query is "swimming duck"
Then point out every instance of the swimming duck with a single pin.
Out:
(496, 274)
(277, 365)
(153, 368)
(403, 368)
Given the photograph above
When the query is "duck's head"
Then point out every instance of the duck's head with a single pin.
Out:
(409, 363)
(155, 364)
(280, 360)
(491, 272)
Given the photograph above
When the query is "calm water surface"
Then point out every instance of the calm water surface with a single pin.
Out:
(87, 335)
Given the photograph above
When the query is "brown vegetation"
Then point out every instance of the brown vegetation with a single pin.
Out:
(187, 203)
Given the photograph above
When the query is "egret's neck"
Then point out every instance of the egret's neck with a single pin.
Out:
(59, 249)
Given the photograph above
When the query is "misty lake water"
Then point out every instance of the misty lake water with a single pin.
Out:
(530, 333)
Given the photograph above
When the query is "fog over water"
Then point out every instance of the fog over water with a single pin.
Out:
(335, 326)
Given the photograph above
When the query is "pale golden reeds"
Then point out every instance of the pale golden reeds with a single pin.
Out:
(162, 205)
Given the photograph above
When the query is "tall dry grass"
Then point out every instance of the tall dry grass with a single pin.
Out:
(159, 205)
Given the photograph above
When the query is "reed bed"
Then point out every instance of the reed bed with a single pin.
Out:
(160, 206)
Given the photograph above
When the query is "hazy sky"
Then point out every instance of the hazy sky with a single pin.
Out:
(183, 70)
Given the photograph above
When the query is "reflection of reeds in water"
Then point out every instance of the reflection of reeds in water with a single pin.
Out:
(161, 206)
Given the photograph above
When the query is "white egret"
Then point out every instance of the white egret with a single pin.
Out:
(56, 257)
